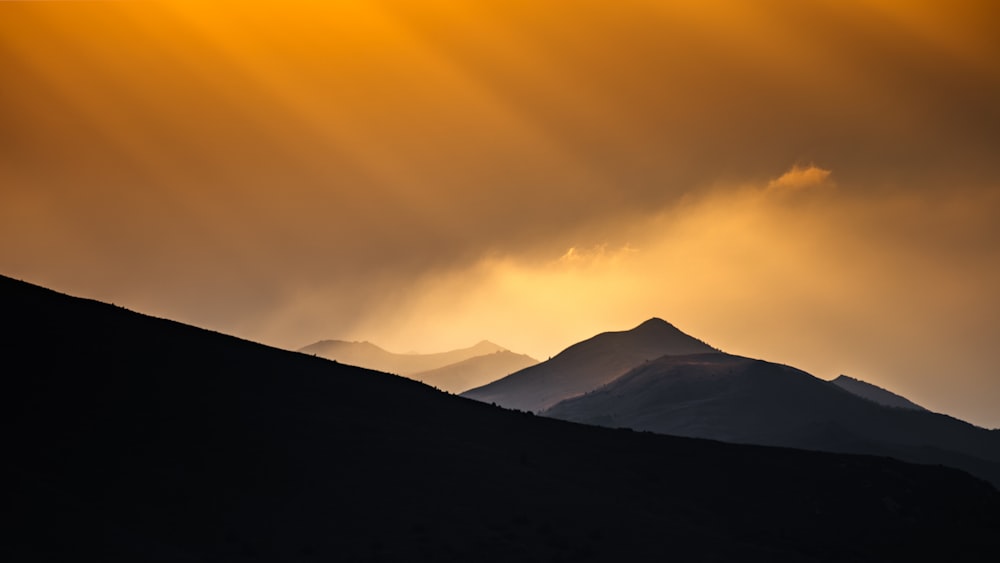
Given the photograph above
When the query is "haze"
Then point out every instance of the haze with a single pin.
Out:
(812, 183)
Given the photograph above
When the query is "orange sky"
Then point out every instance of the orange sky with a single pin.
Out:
(814, 183)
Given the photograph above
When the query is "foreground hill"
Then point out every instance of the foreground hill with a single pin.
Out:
(875, 393)
(586, 366)
(129, 438)
(465, 375)
(737, 399)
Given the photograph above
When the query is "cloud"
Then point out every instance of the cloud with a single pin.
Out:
(596, 255)
(799, 179)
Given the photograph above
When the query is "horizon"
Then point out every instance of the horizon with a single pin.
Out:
(487, 341)
(811, 184)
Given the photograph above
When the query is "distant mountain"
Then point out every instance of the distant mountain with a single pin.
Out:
(875, 393)
(368, 355)
(454, 371)
(735, 399)
(130, 438)
(587, 365)
(474, 372)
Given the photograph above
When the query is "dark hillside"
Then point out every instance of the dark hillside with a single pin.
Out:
(130, 438)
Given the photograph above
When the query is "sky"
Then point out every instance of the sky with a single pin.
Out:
(811, 183)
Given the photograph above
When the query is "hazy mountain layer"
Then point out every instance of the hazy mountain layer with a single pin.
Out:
(129, 438)
(368, 355)
(464, 375)
(587, 365)
(737, 399)
(875, 393)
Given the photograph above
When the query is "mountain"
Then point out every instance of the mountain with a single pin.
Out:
(736, 399)
(454, 371)
(875, 393)
(587, 365)
(368, 355)
(131, 438)
(474, 372)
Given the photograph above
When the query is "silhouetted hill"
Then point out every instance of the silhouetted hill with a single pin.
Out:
(875, 393)
(474, 372)
(737, 399)
(368, 355)
(130, 438)
(587, 365)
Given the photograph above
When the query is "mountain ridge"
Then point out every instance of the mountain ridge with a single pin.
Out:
(744, 400)
(874, 393)
(586, 365)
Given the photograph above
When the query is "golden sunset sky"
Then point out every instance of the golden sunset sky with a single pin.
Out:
(814, 183)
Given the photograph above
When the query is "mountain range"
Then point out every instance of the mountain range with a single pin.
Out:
(454, 371)
(133, 438)
(730, 398)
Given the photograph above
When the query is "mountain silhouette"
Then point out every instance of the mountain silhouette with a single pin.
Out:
(736, 399)
(476, 371)
(132, 438)
(587, 365)
(875, 393)
(368, 355)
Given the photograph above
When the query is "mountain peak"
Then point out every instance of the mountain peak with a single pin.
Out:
(656, 325)
(657, 332)
(487, 347)
(587, 365)
(653, 323)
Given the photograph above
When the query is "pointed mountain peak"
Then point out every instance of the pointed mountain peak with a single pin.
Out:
(654, 323)
(659, 330)
(487, 347)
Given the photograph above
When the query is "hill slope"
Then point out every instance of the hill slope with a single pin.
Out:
(464, 375)
(587, 365)
(737, 399)
(875, 393)
(129, 438)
